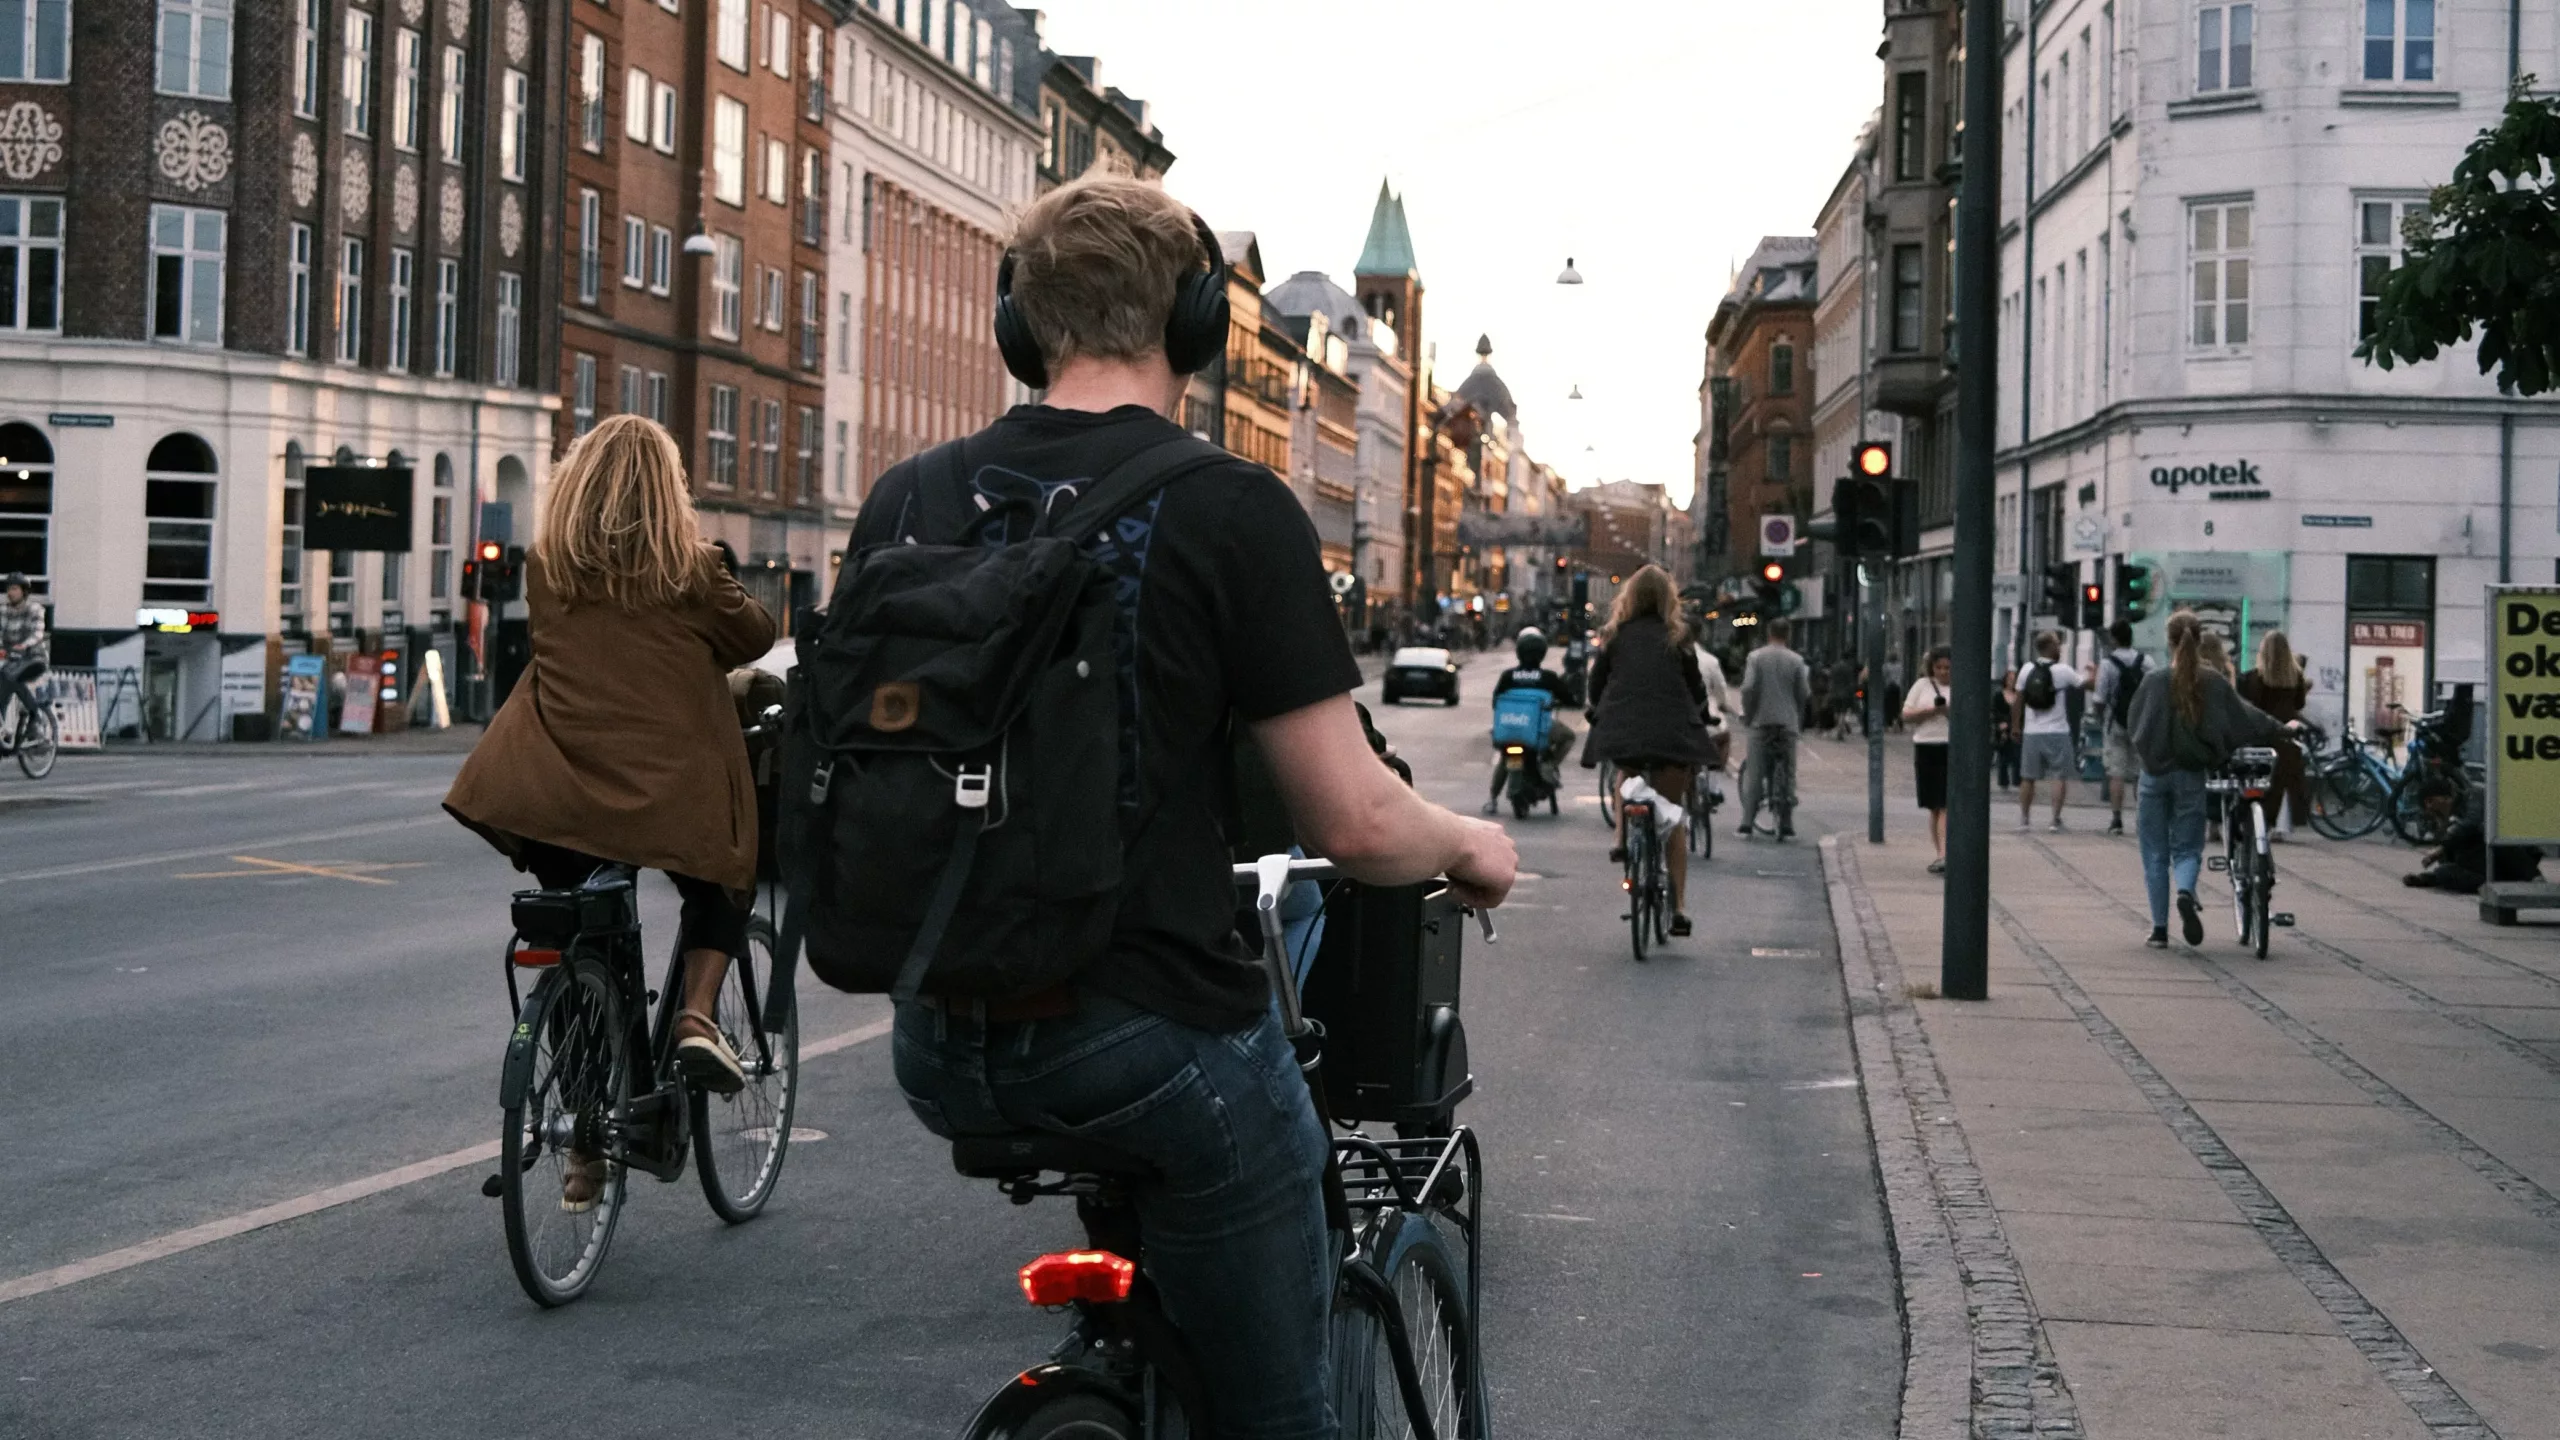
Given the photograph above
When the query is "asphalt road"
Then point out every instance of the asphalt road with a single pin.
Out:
(240, 979)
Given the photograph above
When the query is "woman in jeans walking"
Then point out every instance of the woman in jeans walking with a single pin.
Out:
(2185, 723)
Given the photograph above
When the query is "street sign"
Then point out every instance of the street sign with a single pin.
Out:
(2524, 714)
(2089, 535)
(1778, 535)
(2007, 591)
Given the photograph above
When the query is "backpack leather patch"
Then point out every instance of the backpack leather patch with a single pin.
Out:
(895, 706)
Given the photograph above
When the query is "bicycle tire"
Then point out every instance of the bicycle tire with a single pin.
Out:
(1423, 1272)
(2262, 879)
(1702, 824)
(580, 1087)
(2425, 803)
(2347, 801)
(743, 1137)
(1609, 792)
(39, 739)
(2235, 868)
(1073, 1417)
(1639, 869)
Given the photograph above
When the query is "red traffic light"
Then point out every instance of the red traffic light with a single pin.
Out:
(492, 550)
(1773, 572)
(1873, 459)
(2093, 594)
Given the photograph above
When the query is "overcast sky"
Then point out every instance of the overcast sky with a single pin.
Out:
(1654, 141)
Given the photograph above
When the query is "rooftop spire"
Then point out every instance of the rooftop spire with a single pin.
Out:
(1389, 250)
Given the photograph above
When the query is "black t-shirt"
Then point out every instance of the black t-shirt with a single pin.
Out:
(1224, 589)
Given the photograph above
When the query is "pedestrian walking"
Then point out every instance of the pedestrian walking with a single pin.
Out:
(1777, 691)
(2278, 686)
(2186, 721)
(1924, 710)
(1892, 695)
(1847, 714)
(2040, 710)
(1723, 711)
(2120, 673)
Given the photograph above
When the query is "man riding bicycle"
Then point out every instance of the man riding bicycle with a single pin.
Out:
(1530, 648)
(1166, 1048)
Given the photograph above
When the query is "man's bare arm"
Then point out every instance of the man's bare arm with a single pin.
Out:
(1353, 810)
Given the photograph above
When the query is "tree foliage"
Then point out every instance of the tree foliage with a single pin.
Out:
(2484, 257)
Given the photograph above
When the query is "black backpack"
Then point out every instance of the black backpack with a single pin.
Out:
(953, 808)
(2037, 688)
(2128, 680)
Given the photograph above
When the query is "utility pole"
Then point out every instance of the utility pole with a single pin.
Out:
(1965, 937)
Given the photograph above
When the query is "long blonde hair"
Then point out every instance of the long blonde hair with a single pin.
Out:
(618, 525)
(2278, 666)
(2216, 654)
(1648, 592)
(2186, 665)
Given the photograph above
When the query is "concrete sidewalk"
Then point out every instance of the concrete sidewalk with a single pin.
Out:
(2183, 1193)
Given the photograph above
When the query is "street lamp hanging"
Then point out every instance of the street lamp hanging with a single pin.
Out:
(1570, 276)
(701, 243)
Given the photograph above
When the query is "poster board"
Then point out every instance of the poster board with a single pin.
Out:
(2524, 714)
(364, 695)
(2386, 677)
(357, 507)
(303, 708)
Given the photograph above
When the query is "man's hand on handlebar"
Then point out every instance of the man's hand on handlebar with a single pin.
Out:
(1482, 875)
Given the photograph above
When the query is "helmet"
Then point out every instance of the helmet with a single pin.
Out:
(1531, 646)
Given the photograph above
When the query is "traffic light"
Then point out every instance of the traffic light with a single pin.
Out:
(1872, 460)
(507, 575)
(2061, 591)
(2133, 590)
(1862, 516)
(2093, 606)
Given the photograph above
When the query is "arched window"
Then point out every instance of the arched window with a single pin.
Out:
(289, 566)
(26, 504)
(178, 505)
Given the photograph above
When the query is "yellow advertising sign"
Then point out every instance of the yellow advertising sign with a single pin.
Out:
(2524, 714)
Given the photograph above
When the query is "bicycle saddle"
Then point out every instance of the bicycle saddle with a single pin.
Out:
(1029, 1152)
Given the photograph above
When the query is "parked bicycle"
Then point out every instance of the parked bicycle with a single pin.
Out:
(27, 726)
(1405, 1216)
(2350, 784)
(591, 1075)
(2434, 787)
(2248, 860)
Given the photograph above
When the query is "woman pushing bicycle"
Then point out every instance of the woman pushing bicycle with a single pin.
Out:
(1646, 697)
(620, 745)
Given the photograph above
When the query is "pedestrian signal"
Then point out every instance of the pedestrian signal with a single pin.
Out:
(2133, 591)
(2061, 591)
(2093, 606)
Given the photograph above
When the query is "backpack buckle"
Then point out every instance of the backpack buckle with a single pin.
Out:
(972, 785)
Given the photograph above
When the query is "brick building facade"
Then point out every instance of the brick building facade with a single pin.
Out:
(1760, 345)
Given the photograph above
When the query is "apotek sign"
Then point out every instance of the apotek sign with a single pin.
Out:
(2236, 481)
(2524, 714)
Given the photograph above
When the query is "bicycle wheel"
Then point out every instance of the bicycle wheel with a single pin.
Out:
(2425, 803)
(37, 741)
(1609, 793)
(2347, 801)
(1075, 1417)
(1422, 1270)
(1702, 828)
(577, 1095)
(1639, 882)
(2236, 856)
(739, 1140)
(2262, 879)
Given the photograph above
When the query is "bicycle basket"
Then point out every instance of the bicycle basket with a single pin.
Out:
(550, 919)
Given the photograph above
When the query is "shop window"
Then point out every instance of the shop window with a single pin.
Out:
(289, 567)
(2405, 584)
(178, 509)
(26, 504)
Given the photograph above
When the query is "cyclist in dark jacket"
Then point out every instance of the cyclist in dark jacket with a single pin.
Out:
(1646, 695)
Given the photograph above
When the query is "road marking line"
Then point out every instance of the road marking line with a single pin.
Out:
(184, 791)
(167, 857)
(1844, 1082)
(178, 1242)
(275, 868)
(1571, 1219)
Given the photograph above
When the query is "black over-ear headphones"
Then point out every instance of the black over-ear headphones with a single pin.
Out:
(1194, 334)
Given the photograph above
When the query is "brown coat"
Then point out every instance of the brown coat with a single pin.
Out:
(621, 741)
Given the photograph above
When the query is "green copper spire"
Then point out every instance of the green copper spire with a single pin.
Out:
(1390, 247)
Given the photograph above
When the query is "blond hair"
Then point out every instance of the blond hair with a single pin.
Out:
(618, 524)
(2277, 664)
(1648, 592)
(1096, 263)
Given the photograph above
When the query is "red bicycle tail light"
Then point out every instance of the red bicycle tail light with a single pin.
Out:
(1094, 1275)
(536, 959)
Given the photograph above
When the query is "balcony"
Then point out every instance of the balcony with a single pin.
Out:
(1911, 384)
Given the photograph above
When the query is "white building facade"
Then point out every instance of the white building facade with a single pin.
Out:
(2200, 200)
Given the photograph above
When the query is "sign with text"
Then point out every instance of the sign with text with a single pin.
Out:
(303, 707)
(1777, 536)
(2524, 714)
(357, 507)
(364, 695)
(2386, 676)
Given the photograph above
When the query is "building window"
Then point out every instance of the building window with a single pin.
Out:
(769, 299)
(630, 390)
(590, 245)
(777, 172)
(722, 432)
(510, 357)
(408, 87)
(186, 275)
(813, 198)
(178, 510)
(1782, 369)
(35, 40)
(635, 251)
(843, 461)
(395, 578)
(663, 139)
(2380, 247)
(1908, 309)
(805, 458)
(289, 568)
(1782, 458)
(662, 262)
(351, 301)
(2218, 262)
(297, 315)
(2399, 40)
(30, 262)
(655, 405)
(26, 504)
(729, 151)
(635, 105)
(777, 42)
(448, 314)
(306, 59)
(355, 76)
(342, 591)
(844, 332)
(404, 277)
(814, 98)
(2226, 47)
(582, 394)
(449, 105)
(591, 92)
(515, 112)
(728, 286)
(1910, 124)
(732, 29)
(195, 48)
(769, 447)
(812, 320)
(440, 535)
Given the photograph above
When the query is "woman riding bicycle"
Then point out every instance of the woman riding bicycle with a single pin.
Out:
(620, 745)
(1646, 695)
(2185, 723)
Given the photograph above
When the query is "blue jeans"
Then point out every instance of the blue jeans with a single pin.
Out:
(2169, 822)
(1235, 1236)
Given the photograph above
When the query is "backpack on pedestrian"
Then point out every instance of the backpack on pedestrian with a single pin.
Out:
(2128, 680)
(954, 817)
(2037, 689)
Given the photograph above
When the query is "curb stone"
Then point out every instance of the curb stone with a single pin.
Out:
(1976, 1362)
